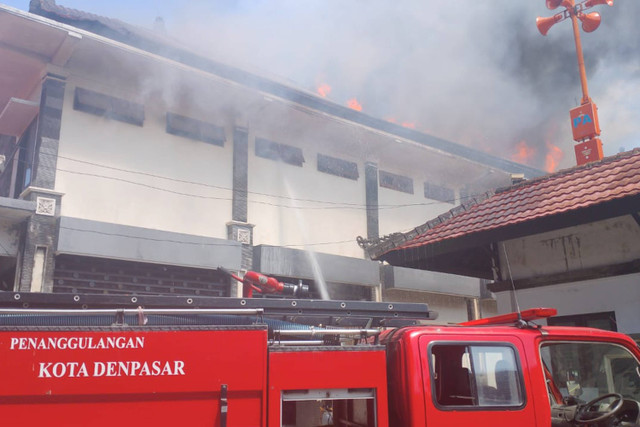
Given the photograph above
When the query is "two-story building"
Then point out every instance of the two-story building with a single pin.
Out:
(132, 165)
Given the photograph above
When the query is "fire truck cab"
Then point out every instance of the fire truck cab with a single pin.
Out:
(73, 360)
(512, 376)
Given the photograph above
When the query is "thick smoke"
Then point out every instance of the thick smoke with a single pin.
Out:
(474, 72)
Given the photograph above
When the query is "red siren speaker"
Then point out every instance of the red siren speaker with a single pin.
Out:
(591, 3)
(590, 21)
(552, 4)
(544, 24)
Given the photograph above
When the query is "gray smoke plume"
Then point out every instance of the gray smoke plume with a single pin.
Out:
(473, 72)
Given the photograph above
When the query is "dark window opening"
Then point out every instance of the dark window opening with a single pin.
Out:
(465, 194)
(8, 156)
(338, 167)
(24, 155)
(396, 182)
(195, 129)
(604, 320)
(439, 193)
(108, 106)
(276, 151)
(7, 273)
(476, 376)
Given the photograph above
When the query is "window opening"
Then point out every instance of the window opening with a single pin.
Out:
(195, 129)
(99, 104)
(396, 182)
(439, 193)
(338, 167)
(276, 151)
(476, 376)
(25, 158)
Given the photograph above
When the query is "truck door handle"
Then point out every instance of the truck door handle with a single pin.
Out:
(224, 405)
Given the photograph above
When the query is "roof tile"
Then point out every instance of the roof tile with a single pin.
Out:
(571, 189)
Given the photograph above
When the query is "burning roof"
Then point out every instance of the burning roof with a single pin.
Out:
(158, 44)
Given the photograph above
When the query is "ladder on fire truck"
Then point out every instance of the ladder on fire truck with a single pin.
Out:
(290, 321)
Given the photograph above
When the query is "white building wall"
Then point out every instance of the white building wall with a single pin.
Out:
(311, 210)
(120, 173)
(450, 308)
(401, 211)
(110, 171)
(620, 294)
(145, 177)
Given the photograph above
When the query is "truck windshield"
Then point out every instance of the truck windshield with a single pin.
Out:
(586, 370)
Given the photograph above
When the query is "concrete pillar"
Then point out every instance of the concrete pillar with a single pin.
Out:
(40, 242)
(37, 261)
(371, 188)
(238, 229)
(240, 175)
(48, 132)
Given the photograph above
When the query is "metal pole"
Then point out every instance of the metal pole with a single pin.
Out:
(133, 311)
(322, 332)
(581, 69)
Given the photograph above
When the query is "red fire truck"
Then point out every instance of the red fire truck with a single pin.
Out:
(82, 360)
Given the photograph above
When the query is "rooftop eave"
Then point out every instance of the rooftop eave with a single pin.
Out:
(377, 248)
(438, 255)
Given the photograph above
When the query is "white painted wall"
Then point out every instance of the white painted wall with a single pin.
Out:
(601, 243)
(315, 210)
(620, 294)
(450, 309)
(290, 206)
(91, 146)
(119, 173)
(402, 211)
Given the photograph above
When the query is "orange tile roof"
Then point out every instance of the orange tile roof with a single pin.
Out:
(572, 189)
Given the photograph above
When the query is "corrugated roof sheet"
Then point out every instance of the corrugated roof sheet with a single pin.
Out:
(572, 189)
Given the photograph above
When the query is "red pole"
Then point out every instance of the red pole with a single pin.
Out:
(576, 36)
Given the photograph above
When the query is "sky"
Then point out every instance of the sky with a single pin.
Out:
(473, 72)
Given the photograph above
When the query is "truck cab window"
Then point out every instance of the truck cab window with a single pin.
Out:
(585, 370)
(476, 376)
(592, 383)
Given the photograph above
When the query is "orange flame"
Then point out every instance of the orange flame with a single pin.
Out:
(410, 125)
(324, 90)
(523, 153)
(354, 104)
(554, 156)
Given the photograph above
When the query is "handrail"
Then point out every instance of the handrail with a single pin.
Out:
(132, 311)
(322, 332)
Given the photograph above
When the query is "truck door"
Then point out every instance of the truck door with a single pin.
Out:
(479, 383)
